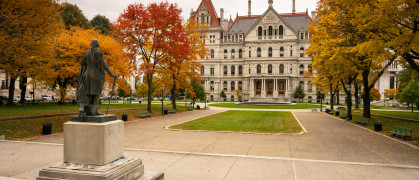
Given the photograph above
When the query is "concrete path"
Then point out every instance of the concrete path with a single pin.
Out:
(332, 149)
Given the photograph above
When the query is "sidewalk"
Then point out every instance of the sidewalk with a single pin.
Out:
(331, 149)
(186, 165)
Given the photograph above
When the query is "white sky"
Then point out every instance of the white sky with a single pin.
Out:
(113, 8)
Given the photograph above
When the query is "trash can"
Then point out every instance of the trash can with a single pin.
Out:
(337, 113)
(46, 129)
(139, 102)
(125, 117)
(198, 107)
(378, 126)
(165, 112)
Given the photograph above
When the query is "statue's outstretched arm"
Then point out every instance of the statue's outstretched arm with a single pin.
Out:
(105, 66)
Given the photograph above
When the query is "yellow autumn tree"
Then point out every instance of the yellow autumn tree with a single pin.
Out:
(25, 28)
(61, 68)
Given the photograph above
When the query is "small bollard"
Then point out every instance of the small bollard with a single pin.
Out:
(46, 129)
(125, 117)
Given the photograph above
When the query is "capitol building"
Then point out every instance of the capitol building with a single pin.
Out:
(262, 55)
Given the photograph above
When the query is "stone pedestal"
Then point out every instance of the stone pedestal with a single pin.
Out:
(93, 143)
(94, 151)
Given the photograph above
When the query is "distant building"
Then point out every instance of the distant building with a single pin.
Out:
(262, 55)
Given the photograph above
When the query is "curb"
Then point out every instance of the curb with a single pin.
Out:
(377, 133)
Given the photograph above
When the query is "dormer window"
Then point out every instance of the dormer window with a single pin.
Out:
(202, 18)
(302, 35)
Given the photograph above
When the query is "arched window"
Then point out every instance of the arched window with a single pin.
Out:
(310, 68)
(225, 85)
(309, 86)
(233, 86)
(232, 97)
(301, 69)
(270, 31)
(270, 52)
(240, 70)
(301, 84)
(225, 70)
(281, 52)
(281, 68)
(259, 52)
(202, 70)
(233, 53)
(281, 32)
(212, 53)
(225, 54)
(258, 69)
(301, 52)
(270, 69)
(309, 98)
(260, 31)
(240, 53)
(240, 85)
(233, 70)
(212, 70)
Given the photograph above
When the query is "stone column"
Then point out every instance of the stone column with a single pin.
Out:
(275, 89)
(263, 94)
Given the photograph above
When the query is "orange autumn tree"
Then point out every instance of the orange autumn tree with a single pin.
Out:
(152, 35)
(178, 73)
(62, 67)
(25, 28)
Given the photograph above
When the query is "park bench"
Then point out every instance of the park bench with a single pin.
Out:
(331, 111)
(144, 114)
(171, 111)
(403, 132)
(189, 107)
(344, 115)
(340, 108)
(363, 121)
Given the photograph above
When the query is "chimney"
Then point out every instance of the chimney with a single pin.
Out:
(192, 12)
(250, 8)
(313, 15)
(221, 15)
(293, 6)
(270, 2)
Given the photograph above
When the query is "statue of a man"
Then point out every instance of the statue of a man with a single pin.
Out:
(91, 80)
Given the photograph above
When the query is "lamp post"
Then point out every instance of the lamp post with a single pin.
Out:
(321, 101)
(186, 91)
(349, 103)
(384, 95)
(162, 113)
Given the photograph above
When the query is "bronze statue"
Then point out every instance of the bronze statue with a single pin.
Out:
(91, 80)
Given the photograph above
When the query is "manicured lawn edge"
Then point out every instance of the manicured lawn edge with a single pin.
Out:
(32, 128)
(303, 130)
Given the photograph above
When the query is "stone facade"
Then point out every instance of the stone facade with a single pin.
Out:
(262, 55)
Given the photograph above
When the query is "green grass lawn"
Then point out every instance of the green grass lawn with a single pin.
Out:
(42, 109)
(401, 114)
(297, 106)
(388, 125)
(245, 121)
(26, 128)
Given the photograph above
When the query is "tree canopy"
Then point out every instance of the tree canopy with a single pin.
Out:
(101, 23)
(73, 16)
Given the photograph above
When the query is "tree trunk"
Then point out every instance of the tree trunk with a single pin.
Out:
(366, 111)
(173, 92)
(150, 91)
(332, 95)
(11, 91)
(349, 103)
(356, 94)
(22, 86)
(337, 97)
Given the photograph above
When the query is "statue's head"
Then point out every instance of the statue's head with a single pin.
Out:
(94, 43)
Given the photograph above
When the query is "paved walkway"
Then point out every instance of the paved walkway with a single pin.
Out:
(332, 149)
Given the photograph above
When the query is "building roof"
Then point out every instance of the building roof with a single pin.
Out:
(295, 20)
(210, 7)
(243, 23)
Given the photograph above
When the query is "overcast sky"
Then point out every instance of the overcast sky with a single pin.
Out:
(113, 8)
